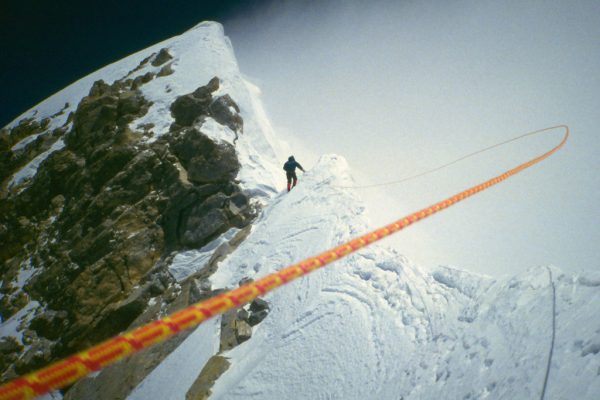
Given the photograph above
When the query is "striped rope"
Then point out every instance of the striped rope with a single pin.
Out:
(69, 370)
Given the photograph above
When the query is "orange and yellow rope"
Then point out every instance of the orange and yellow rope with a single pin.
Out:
(67, 371)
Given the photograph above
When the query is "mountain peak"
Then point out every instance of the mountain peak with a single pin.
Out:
(156, 182)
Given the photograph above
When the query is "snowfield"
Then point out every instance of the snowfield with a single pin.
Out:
(375, 326)
(370, 326)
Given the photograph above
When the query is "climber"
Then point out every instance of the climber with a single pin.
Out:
(290, 172)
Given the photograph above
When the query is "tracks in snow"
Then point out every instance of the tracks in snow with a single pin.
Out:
(543, 395)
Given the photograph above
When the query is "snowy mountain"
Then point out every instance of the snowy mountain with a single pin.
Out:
(179, 174)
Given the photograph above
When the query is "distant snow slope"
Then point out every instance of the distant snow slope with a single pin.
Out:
(374, 326)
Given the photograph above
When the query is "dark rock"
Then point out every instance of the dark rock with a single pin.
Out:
(205, 92)
(219, 166)
(162, 57)
(217, 200)
(205, 160)
(130, 102)
(29, 337)
(158, 285)
(99, 88)
(259, 305)
(122, 314)
(239, 199)
(198, 230)
(38, 355)
(238, 202)
(94, 122)
(191, 108)
(256, 317)
(50, 324)
(9, 344)
(11, 161)
(245, 281)
(58, 201)
(226, 112)
(142, 79)
(243, 315)
(197, 293)
(187, 109)
(9, 352)
(45, 122)
(228, 339)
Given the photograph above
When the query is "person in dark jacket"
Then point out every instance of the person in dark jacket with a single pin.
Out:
(290, 172)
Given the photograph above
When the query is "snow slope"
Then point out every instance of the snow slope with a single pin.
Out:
(375, 326)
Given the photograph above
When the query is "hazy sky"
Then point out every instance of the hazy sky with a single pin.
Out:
(400, 87)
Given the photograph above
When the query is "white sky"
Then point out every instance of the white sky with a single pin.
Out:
(400, 87)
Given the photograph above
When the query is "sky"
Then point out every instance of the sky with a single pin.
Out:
(401, 87)
(394, 87)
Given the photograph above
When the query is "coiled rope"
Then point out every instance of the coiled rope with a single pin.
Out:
(455, 161)
(69, 370)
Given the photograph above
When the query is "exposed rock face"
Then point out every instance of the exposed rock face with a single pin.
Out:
(118, 380)
(200, 104)
(95, 225)
(9, 349)
(204, 160)
(41, 139)
(162, 57)
(214, 368)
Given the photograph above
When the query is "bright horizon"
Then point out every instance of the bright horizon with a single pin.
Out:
(398, 88)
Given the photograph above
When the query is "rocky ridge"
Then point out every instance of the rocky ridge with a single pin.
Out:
(87, 240)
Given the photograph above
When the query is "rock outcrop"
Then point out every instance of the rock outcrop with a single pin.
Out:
(95, 226)
(236, 328)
